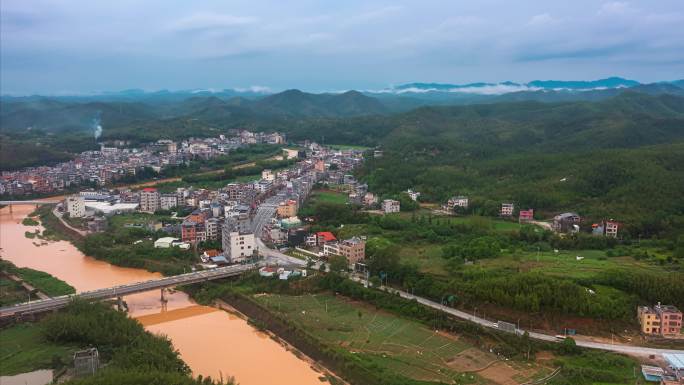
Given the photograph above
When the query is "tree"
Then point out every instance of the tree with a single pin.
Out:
(338, 263)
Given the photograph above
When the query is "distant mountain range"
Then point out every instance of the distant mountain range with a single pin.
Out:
(64, 113)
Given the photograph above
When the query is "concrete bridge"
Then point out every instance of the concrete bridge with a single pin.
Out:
(119, 291)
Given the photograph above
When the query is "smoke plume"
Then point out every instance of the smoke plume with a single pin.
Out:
(97, 127)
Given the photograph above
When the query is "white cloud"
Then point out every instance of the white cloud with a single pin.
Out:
(208, 21)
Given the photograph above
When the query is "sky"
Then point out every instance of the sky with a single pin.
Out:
(75, 47)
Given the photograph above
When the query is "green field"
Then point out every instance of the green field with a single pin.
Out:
(328, 196)
(392, 343)
(23, 349)
(40, 280)
(11, 292)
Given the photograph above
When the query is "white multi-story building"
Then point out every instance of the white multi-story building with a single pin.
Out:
(507, 209)
(149, 200)
(458, 201)
(212, 227)
(237, 246)
(75, 206)
(413, 194)
(391, 206)
(168, 201)
(268, 175)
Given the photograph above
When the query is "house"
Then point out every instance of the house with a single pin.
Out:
(611, 229)
(457, 201)
(566, 223)
(526, 216)
(192, 231)
(391, 206)
(413, 194)
(354, 249)
(268, 271)
(209, 254)
(287, 209)
(660, 320)
(267, 174)
(168, 201)
(320, 238)
(75, 206)
(212, 227)
(238, 246)
(149, 200)
(369, 199)
(507, 209)
(219, 260)
(165, 242)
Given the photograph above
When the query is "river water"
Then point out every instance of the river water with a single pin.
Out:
(211, 341)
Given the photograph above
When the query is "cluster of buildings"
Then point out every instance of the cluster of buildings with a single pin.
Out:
(111, 164)
(240, 213)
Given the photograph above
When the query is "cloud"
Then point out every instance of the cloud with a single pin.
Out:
(209, 21)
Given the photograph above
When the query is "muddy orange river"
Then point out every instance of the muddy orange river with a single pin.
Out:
(211, 341)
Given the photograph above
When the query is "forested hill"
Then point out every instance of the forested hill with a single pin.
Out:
(620, 158)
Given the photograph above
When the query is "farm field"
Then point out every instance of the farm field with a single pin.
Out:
(392, 343)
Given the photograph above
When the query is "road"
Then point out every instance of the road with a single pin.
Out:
(626, 349)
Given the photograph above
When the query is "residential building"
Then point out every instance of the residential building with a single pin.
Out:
(75, 206)
(320, 238)
(212, 227)
(660, 320)
(97, 224)
(507, 209)
(238, 246)
(149, 200)
(566, 223)
(391, 206)
(369, 199)
(354, 249)
(413, 194)
(193, 232)
(611, 229)
(268, 175)
(526, 216)
(287, 209)
(168, 201)
(457, 201)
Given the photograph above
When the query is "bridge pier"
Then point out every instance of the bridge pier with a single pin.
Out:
(163, 299)
(120, 305)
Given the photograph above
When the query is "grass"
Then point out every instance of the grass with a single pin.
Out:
(328, 196)
(23, 349)
(397, 345)
(40, 280)
(11, 292)
(28, 221)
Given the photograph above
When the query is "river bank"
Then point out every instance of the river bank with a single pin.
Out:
(212, 342)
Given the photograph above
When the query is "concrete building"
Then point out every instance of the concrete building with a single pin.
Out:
(238, 246)
(611, 229)
(212, 227)
(168, 201)
(193, 232)
(566, 223)
(75, 206)
(149, 200)
(413, 194)
(354, 249)
(287, 209)
(267, 174)
(507, 209)
(391, 206)
(660, 320)
(525, 216)
(457, 201)
(165, 242)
